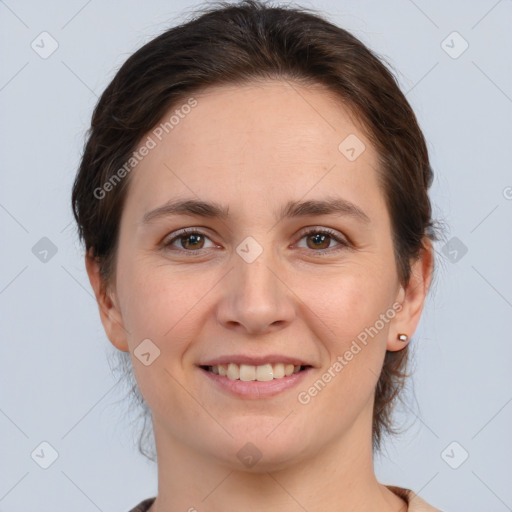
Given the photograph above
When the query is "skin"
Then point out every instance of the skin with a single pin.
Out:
(253, 148)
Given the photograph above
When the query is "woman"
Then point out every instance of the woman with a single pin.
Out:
(253, 199)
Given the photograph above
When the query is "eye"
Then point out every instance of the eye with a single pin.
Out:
(189, 239)
(318, 240)
(321, 238)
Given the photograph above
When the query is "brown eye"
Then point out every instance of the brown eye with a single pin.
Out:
(187, 240)
(320, 240)
(192, 241)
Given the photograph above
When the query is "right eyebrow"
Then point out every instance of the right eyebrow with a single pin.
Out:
(187, 207)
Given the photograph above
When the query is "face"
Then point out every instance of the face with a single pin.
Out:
(269, 282)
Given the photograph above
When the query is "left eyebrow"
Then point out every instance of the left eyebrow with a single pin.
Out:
(292, 209)
(330, 206)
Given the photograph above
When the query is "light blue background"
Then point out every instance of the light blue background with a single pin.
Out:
(56, 383)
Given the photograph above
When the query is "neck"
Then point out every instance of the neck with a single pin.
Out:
(339, 478)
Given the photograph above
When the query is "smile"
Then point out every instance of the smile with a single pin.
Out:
(243, 381)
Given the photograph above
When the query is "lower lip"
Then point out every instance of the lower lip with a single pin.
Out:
(255, 388)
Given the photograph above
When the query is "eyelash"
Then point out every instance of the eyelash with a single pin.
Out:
(324, 231)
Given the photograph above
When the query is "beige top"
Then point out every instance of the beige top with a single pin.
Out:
(414, 502)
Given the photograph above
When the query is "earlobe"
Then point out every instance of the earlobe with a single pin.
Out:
(412, 298)
(110, 313)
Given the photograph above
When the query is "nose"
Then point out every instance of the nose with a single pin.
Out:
(255, 296)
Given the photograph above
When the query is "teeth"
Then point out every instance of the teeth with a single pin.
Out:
(278, 370)
(247, 372)
(233, 371)
(264, 372)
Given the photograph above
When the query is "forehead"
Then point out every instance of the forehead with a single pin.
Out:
(270, 115)
(256, 141)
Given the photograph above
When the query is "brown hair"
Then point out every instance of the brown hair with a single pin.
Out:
(234, 44)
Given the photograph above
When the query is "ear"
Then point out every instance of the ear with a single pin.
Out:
(412, 298)
(110, 313)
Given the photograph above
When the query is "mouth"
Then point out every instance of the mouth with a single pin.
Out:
(254, 382)
(260, 373)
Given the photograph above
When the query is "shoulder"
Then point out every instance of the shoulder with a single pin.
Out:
(143, 506)
(414, 501)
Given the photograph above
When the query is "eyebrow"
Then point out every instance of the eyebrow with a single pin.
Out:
(198, 208)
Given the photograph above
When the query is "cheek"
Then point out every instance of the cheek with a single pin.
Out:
(165, 305)
(355, 352)
(151, 304)
(159, 305)
(351, 316)
(347, 301)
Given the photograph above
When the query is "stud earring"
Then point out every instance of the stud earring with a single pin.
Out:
(403, 337)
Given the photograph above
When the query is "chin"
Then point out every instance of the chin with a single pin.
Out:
(257, 451)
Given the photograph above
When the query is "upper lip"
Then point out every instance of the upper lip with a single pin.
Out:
(255, 361)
